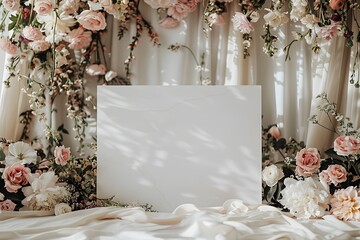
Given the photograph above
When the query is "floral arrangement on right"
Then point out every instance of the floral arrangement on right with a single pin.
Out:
(304, 183)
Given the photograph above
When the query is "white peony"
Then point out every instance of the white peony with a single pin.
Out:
(44, 193)
(20, 152)
(160, 3)
(272, 174)
(305, 199)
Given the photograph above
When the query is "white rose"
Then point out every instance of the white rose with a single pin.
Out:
(110, 75)
(62, 208)
(276, 18)
(160, 3)
(2, 197)
(271, 175)
(254, 16)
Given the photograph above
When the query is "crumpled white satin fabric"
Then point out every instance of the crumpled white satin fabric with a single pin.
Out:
(233, 220)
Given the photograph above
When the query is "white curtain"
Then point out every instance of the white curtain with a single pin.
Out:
(288, 87)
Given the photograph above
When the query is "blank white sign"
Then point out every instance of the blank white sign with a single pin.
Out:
(167, 146)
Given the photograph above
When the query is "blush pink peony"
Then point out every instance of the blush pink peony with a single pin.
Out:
(32, 33)
(7, 46)
(43, 7)
(78, 39)
(345, 204)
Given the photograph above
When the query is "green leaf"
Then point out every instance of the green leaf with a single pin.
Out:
(2, 155)
(331, 153)
(280, 144)
(13, 20)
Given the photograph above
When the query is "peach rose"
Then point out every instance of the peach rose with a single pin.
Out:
(337, 174)
(168, 22)
(241, 23)
(92, 20)
(346, 145)
(274, 131)
(307, 161)
(15, 177)
(32, 34)
(337, 4)
(11, 5)
(43, 7)
(62, 155)
(7, 205)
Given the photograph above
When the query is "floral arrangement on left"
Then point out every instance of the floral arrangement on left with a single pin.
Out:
(31, 181)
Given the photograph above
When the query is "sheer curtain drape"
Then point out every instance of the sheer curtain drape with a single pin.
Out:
(288, 87)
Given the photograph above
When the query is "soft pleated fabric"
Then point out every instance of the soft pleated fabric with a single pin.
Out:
(234, 220)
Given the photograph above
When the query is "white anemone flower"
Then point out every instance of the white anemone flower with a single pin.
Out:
(20, 152)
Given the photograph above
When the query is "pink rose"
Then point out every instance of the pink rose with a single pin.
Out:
(11, 5)
(39, 46)
(78, 38)
(337, 174)
(96, 69)
(241, 23)
(168, 22)
(7, 205)
(337, 4)
(32, 34)
(7, 46)
(62, 155)
(346, 145)
(43, 7)
(15, 177)
(178, 11)
(274, 131)
(92, 20)
(307, 161)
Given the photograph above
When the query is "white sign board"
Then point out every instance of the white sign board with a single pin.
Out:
(167, 146)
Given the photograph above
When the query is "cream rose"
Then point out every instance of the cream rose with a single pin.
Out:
(91, 20)
(307, 161)
(62, 155)
(346, 145)
(271, 175)
(276, 18)
(43, 7)
(62, 208)
(15, 177)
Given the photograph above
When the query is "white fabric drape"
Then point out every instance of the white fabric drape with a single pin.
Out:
(288, 88)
